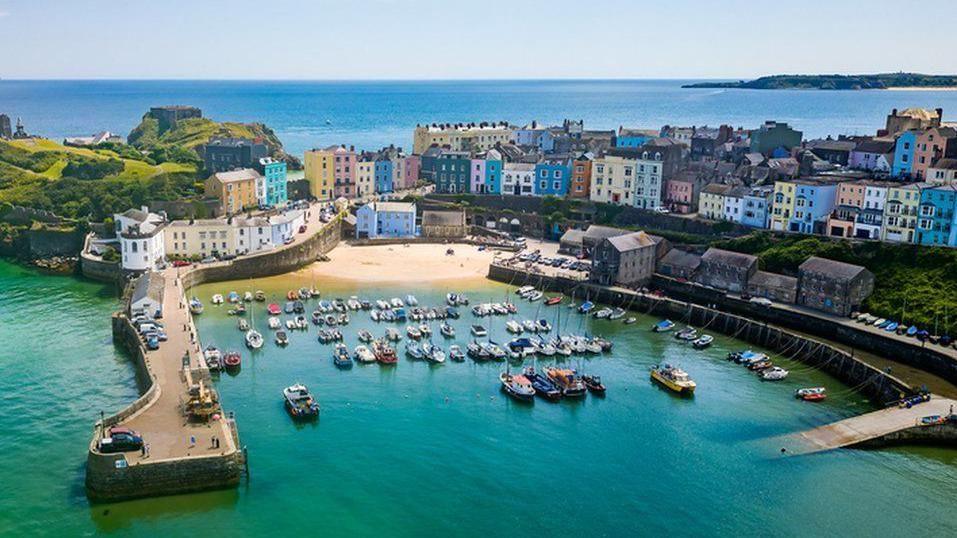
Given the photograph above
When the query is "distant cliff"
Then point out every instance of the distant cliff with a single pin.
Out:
(837, 82)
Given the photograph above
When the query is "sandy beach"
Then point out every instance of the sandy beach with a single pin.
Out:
(923, 89)
(403, 263)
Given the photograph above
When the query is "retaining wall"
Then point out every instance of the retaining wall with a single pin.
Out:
(879, 385)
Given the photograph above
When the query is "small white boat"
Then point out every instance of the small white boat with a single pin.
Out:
(617, 314)
(604, 313)
(513, 326)
(411, 300)
(243, 325)
(774, 373)
(248, 297)
(703, 341)
(397, 303)
(535, 295)
(290, 324)
(393, 334)
(364, 354)
(274, 323)
(524, 289)
(217, 299)
(195, 306)
(479, 331)
(254, 340)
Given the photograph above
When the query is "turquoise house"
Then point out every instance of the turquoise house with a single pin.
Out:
(552, 177)
(935, 216)
(493, 176)
(273, 191)
(904, 154)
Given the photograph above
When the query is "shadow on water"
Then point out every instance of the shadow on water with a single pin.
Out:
(112, 517)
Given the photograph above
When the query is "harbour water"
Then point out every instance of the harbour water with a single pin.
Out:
(439, 450)
(373, 114)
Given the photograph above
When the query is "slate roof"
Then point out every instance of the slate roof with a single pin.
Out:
(880, 147)
(572, 235)
(597, 231)
(765, 279)
(443, 218)
(727, 257)
(830, 268)
(716, 188)
(946, 164)
(149, 285)
(680, 258)
(245, 174)
(632, 241)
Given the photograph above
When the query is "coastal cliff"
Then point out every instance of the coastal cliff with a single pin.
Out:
(881, 81)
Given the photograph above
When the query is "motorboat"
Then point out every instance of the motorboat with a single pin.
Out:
(413, 332)
(630, 321)
(232, 297)
(384, 353)
(524, 290)
(476, 351)
(273, 309)
(274, 322)
(364, 336)
(299, 402)
(561, 347)
(195, 306)
(414, 350)
(248, 297)
(452, 299)
(452, 313)
(447, 330)
(254, 340)
(774, 373)
(529, 326)
(381, 304)
(478, 331)
(291, 324)
(688, 334)
(217, 299)
(760, 365)
(535, 295)
(702, 341)
(456, 354)
(593, 384)
(243, 325)
(811, 394)
(397, 303)
(586, 307)
(240, 310)
(410, 300)
(673, 378)
(543, 326)
(513, 326)
(542, 384)
(544, 348)
(289, 307)
(603, 313)
(292, 295)
(520, 347)
(604, 343)
(663, 326)
(425, 329)
(340, 356)
(518, 386)
(232, 361)
(617, 314)
(393, 334)
(282, 339)
(353, 303)
(495, 351)
(325, 336)
(325, 306)
(259, 296)
(552, 301)
(433, 353)
(213, 357)
(364, 355)
(568, 381)
(463, 300)
(298, 307)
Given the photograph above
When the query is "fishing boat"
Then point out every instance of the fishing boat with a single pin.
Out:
(542, 385)
(384, 353)
(478, 331)
(517, 386)
(340, 356)
(260, 296)
(217, 299)
(273, 309)
(282, 339)
(586, 307)
(410, 300)
(703, 341)
(248, 297)
(195, 306)
(364, 336)
(552, 301)
(447, 330)
(687, 334)
(364, 355)
(243, 325)
(433, 353)
(593, 384)
(603, 313)
(663, 326)
(568, 381)
(543, 326)
(456, 354)
(617, 314)
(513, 326)
(232, 361)
(232, 297)
(811, 394)
(299, 402)
(673, 378)
(254, 340)
(774, 373)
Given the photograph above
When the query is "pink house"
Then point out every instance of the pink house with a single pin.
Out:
(344, 171)
(681, 195)
(477, 176)
(848, 204)
(406, 172)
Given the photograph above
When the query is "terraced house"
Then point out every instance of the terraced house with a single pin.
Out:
(613, 178)
(552, 177)
(900, 213)
(935, 216)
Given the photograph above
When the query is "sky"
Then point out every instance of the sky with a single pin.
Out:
(456, 39)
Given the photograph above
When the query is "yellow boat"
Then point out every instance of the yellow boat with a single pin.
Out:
(673, 378)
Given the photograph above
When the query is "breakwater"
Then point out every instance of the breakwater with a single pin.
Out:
(876, 384)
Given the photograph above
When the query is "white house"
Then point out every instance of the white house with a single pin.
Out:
(518, 179)
(648, 184)
(385, 219)
(734, 204)
(147, 295)
(140, 235)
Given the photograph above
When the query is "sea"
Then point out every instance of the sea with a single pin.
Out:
(373, 114)
(420, 450)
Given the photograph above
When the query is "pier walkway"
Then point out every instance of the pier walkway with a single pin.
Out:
(863, 428)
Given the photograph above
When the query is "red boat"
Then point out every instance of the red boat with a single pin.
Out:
(385, 354)
(813, 394)
(554, 300)
(292, 295)
(273, 309)
(232, 360)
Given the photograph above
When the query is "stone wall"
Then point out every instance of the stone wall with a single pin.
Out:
(877, 384)
(937, 435)
(96, 268)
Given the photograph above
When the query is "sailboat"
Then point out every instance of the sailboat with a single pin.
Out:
(254, 340)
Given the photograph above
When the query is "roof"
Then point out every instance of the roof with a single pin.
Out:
(831, 144)
(831, 268)
(622, 131)
(918, 113)
(150, 285)
(246, 174)
(136, 214)
(632, 241)
(600, 232)
(395, 207)
(716, 188)
(727, 257)
(946, 164)
(572, 235)
(680, 258)
(875, 145)
(443, 218)
(765, 279)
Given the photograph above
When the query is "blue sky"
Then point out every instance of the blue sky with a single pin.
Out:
(439, 39)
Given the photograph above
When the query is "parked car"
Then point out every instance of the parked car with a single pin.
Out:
(152, 343)
(763, 301)
(181, 263)
(209, 259)
(121, 442)
(302, 229)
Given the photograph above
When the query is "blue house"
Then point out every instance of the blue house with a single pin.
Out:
(274, 192)
(493, 176)
(552, 177)
(386, 219)
(632, 138)
(756, 207)
(904, 154)
(935, 216)
(452, 172)
(813, 203)
(383, 174)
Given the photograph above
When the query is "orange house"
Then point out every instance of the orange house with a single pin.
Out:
(236, 190)
(581, 178)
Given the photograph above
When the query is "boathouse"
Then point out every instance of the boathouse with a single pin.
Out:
(147, 295)
(832, 286)
(726, 270)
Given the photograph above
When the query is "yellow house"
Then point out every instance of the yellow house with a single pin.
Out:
(900, 213)
(320, 172)
(782, 205)
(460, 137)
(236, 190)
(612, 180)
(711, 201)
(365, 178)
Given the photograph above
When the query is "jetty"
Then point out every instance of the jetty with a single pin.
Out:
(886, 426)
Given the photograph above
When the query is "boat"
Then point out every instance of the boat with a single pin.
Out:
(413, 332)
(542, 385)
(433, 353)
(384, 353)
(414, 350)
(274, 322)
(892, 326)
(687, 334)
(340, 356)
(568, 381)
(535, 295)
(298, 307)
(364, 336)
(393, 334)
(663, 326)
(195, 306)
(593, 384)
(273, 309)
(811, 394)
(630, 321)
(774, 373)
(353, 303)
(240, 310)
(524, 290)
(305, 293)
(299, 402)
(543, 326)
(586, 307)
(479, 331)
(451, 312)
(513, 326)
(289, 307)
(410, 300)
(447, 330)
(301, 323)
(544, 348)
(248, 297)
(912, 330)
(877, 322)
(552, 301)
(254, 340)
(292, 295)
(455, 353)
(282, 339)
(213, 357)
(217, 299)
(617, 314)
(259, 296)
(397, 303)
(561, 347)
(232, 361)
(760, 365)
(604, 343)
(673, 378)
(517, 386)
(529, 326)
(232, 297)
(364, 355)
(452, 299)
(603, 313)
(703, 341)
(495, 351)
(243, 325)
(463, 299)
(291, 324)
(476, 351)
(425, 329)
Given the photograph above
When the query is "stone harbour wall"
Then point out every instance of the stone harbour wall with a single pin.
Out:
(109, 478)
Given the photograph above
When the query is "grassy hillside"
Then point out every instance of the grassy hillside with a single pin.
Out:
(192, 133)
(837, 82)
(924, 279)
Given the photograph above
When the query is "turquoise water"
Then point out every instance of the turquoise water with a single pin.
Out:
(415, 449)
(373, 114)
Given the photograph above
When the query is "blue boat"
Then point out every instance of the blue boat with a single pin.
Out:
(884, 324)
(413, 350)
(912, 330)
(663, 326)
(891, 327)
(586, 307)
(399, 314)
